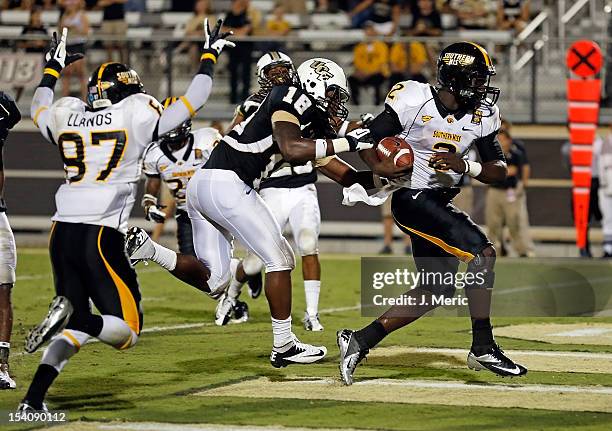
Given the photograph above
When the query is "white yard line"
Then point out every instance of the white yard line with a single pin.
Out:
(545, 353)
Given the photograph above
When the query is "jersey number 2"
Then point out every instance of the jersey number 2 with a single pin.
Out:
(77, 158)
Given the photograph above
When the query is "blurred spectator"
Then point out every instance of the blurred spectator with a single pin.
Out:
(35, 26)
(27, 4)
(277, 27)
(293, 6)
(195, 27)
(238, 21)
(383, 15)
(114, 25)
(407, 62)
(426, 20)
(512, 14)
(371, 61)
(136, 6)
(182, 5)
(471, 14)
(77, 23)
(603, 152)
(503, 207)
(524, 175)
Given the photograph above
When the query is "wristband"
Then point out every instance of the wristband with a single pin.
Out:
(343, 128)
(148, 198)
(341, 145)
(473, 169)
(320, 148)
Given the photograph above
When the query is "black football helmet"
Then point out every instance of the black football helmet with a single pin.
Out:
(110, 83)
(465, 70)
(176, 137)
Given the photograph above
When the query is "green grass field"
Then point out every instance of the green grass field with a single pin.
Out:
(185, 370)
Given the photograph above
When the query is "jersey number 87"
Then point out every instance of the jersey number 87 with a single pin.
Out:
(77, 159)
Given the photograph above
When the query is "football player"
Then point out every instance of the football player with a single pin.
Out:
(441, 124)
(222, 201)
(87, 244)
(9, 116)
(291, 196)
(174, 159)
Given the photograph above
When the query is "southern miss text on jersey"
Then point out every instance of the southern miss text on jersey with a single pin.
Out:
(93, 144)
(429, 128)
(249, 148)
(175, 168)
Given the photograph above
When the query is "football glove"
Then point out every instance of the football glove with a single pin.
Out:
(215, 41)
(360, 139)
(154, 213)
(366, 119)
(57, 55)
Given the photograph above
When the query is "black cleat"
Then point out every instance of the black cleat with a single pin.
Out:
(255, 285)
(27, 407)
(495, 361)
(56, 320)
(351, 354)
(240, 312)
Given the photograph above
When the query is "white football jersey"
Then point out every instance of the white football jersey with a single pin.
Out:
(176, 168)
(429, 131)
(102, 153)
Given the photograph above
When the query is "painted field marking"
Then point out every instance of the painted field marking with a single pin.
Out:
(456, 393)
(586, 332)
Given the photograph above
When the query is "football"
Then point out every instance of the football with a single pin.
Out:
(387, 146)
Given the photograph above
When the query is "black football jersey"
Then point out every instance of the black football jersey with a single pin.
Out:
(249, 148)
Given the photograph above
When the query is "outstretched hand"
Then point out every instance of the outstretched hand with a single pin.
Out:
(57, 51)
(215, 41)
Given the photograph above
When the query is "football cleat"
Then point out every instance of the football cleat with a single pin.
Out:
(351, 354)
(255, 284)
(139, 245)
(26, 407)
(312, 323)
(298, 353)
(223, 313)
(56, 320)
(6, 382)
(240, 312)
(495, 361)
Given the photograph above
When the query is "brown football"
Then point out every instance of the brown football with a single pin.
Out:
(387, 146)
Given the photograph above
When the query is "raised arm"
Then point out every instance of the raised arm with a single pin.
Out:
(57, 59)
(201, 85)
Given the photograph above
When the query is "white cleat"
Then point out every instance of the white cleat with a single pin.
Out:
(6, 381)
(56, 320)
(139, 245)
(223, 313)
(312, 323)
(296, 353)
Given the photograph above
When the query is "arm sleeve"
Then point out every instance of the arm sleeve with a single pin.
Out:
(489, 148)
(40, 113)
(386, 124)
(149, 166)
(195, 97)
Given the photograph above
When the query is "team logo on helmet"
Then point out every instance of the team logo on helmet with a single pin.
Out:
(128, 78)
(456, 59)
(322, 70)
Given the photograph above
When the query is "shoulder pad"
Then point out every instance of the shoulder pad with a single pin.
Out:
(71, 103)
(491, 121)
(408, 94)
(205, 137)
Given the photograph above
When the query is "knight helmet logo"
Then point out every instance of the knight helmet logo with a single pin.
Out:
(322, 70)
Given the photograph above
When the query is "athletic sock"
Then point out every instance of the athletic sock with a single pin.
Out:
(5, 349)
(371, 335)
(283, 338)
(235, 287)
(116, 332)
(43, 378)
(164, 257)
(312, 288)
(482, 335)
